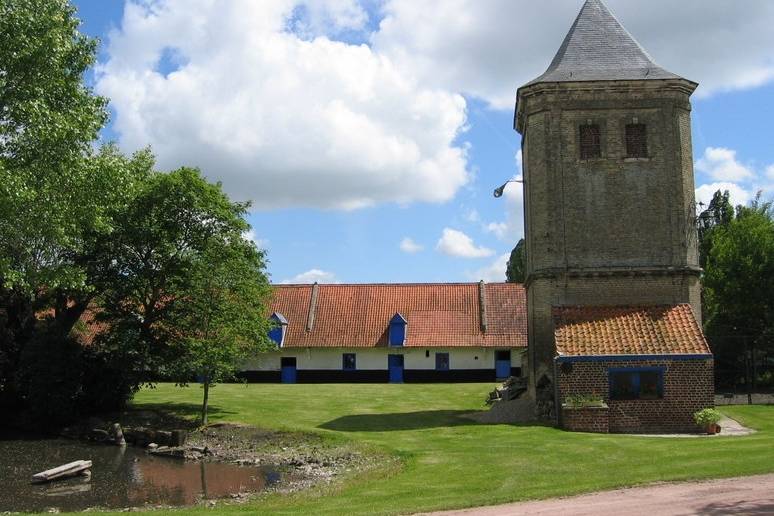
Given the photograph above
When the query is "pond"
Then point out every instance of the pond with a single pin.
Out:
(121, 477)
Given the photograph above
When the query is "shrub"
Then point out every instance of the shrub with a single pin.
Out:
(706, 417)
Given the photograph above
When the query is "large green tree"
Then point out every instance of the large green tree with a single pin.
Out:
(187, 291)
(738, 282)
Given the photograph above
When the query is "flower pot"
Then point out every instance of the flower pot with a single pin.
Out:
(713, 428)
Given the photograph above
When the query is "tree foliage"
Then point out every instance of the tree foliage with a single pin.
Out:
(82, 228)
(517, 263)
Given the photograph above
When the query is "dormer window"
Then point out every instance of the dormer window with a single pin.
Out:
(279, 328)
(397, 331)
(590, 141)
(636, 141)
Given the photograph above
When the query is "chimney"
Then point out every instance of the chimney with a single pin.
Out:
(482, 304)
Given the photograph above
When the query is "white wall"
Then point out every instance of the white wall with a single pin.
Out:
(376, 359)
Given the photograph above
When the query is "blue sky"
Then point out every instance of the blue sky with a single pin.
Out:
(356, 125)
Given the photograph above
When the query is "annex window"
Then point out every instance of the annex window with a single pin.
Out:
(348, 362)
(441, 361)
(636, 141)
(590, 141)
(637, 384)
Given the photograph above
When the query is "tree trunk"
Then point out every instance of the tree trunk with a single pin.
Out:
(206, 400)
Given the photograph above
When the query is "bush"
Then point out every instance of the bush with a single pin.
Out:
(707, 416)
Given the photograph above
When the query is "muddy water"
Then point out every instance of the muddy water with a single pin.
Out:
(121, 477)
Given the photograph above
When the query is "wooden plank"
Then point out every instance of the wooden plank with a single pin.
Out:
(65, 470)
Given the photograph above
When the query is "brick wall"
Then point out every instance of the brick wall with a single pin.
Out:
(688, 387)
(586, 419)
(611, 230)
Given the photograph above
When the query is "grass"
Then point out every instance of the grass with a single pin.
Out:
(446, 461)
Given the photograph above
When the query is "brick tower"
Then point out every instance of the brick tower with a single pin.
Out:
(609, 190)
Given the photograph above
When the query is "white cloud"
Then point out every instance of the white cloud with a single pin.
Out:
(472, 215)
(261, 98)
(407, 245)
(260, 243)
(721, 164)
(494, 272)
(770, 172)
(457, 243)
(488, 49)
(737, 193)
(312, 276)
(500, 229)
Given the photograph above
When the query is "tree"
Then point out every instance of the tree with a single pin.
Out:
(223, 321)
(187, 290)
(516, 268)
(720, 212)
(739, 280)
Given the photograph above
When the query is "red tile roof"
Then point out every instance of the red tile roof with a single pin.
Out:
(632, 330)
(438, 314)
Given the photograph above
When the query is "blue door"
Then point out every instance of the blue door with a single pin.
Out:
(288, 369)
(502, 364)
(395, 364)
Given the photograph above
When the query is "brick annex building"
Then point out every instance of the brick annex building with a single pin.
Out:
(612, 273)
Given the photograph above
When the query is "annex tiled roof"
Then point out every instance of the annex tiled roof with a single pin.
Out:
(599, 48)
(627, 330)
(438, 314)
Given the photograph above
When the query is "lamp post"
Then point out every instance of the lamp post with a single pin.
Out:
(498, 192)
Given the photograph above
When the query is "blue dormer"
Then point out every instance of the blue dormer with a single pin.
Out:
(397, 333)
(279, 328)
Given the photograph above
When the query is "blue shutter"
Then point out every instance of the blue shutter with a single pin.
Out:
(280, 325)
(397, 331)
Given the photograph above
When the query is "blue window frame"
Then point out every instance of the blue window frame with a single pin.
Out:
(441, 361)
(641, 383)
(348, 362)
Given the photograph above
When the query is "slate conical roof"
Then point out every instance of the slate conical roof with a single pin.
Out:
(599, 48)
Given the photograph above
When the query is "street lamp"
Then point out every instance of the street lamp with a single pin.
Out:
(499, 191)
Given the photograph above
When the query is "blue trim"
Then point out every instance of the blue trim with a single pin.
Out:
(635, 378)
(608, 358)
(397, 332)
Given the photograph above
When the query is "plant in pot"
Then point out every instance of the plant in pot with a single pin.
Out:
(708, 419)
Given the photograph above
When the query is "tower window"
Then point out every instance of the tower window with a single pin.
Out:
(636, 141)
(590, 142)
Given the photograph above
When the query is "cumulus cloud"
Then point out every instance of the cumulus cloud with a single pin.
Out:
(738, 195)
(457, 243)
(494, 272)
(260, 97)
(488, 49)
(407, 245)
(312, 276)
(721, 164)
(260, 243)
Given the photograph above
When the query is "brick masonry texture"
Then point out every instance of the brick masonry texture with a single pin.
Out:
(688, 387)
(586, 419)
(613, 230)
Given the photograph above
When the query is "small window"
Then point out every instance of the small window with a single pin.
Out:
(590, 142)
(441, 361)
(636, 384)
(348, 362)
(636, 141)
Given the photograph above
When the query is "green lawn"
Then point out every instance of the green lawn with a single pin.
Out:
(450, 462)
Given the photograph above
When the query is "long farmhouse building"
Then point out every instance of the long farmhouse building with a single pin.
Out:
(396, 333)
